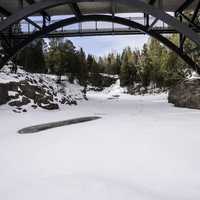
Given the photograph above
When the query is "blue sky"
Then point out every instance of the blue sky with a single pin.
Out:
(102, 45)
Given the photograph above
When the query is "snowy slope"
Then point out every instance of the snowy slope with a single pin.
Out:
(115, 91)
(143, 148)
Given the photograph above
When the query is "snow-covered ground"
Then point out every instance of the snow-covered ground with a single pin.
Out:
(143, 148)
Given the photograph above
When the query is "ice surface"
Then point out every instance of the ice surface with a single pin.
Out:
(143, 148)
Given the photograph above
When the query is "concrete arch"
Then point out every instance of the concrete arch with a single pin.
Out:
(105, 18)
(146, 8)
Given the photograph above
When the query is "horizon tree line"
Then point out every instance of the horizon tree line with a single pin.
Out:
(152, 65)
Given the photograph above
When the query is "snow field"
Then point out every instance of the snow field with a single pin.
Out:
(143, 148)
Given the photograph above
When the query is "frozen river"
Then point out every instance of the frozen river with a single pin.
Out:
(142, 148)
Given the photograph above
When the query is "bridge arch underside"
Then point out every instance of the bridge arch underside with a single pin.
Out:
(184, 30)
(103, 18)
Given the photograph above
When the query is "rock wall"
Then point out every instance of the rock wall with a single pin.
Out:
(24, 90)
(101, 81)
(186, 94)
(18, 94)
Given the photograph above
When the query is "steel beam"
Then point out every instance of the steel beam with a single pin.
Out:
(106, 18)
(7, 13)
(152, 24)
(185, 5)
(95, 32)
(5, 39)
(43, 13)
(196, 11)
(75, 9)
(148, 9)
(4, 12)
(191, 23)
(33, 23)
(152, 2)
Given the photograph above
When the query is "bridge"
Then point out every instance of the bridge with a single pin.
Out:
(22, 21)
(94, 28)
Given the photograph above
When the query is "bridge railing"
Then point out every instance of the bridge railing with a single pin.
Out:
(98, 26)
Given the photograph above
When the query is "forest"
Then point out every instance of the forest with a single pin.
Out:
(153, 65)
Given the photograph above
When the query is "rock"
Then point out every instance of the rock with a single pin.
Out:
(72, 102)
(186, 94)
(102, 80)
(26, 100)
(19, 103)
(136, 89)
(15, 103)
(63, 100)
(50, 106)
(42, 99)
(34, 106)
(16, 111)
(31, 91)
(38, 92)
(13, 95)
(4, 98)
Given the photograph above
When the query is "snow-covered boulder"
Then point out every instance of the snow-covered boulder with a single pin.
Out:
(186, 94)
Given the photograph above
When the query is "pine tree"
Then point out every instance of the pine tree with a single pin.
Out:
(83, 72)
(128, 72)
(32, 57)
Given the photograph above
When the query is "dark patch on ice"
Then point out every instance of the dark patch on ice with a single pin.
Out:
(113, 97)
(42, 127)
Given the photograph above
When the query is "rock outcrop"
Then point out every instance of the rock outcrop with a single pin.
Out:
(21, 93)
(186, 94)
(100, 81)
(23, 90)
(139, 89)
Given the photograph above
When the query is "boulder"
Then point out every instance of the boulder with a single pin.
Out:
(19, 103)
(186, 94)
(31, 89)
(4, 98)
(50, 106)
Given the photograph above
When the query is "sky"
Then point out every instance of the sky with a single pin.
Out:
(102, 45)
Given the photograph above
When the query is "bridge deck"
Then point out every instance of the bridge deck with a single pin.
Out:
(96, 7)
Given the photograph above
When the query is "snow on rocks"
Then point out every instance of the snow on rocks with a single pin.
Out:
(36, 90)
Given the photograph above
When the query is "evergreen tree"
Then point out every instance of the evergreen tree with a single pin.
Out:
(128, 72)
(62, 58)
(94, 70)
(145, 66)
(155, 52)
(83, 73)
(32, 57)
